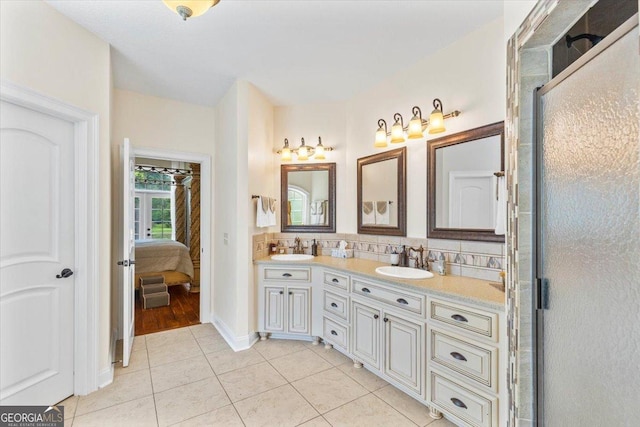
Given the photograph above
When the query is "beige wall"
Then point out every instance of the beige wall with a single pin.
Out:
(48, 53)
(244, 166)
(468, 75)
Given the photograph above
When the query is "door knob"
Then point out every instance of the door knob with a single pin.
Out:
(64, 274)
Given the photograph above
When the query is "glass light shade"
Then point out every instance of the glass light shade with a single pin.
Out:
(397, 133)
(381, 138)
(197, 7)
(436, 122)
(303, 153)
(286, 154)
(415, 128)
(319, 152)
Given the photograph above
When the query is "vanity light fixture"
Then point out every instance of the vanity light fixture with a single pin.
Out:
(417, 125)
(190, 8)
(304, 151)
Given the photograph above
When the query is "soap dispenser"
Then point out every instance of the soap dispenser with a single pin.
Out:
(403, 257)
(314, 248)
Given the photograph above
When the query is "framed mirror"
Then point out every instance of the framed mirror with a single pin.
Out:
(308, 194)
(382, 193)
(463, 184)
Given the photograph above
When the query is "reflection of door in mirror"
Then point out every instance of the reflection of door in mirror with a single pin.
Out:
(379, 194)
(308, 195)
(466, 185)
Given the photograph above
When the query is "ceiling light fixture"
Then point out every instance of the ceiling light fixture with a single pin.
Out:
(417, 125)
(190, 8)
(304, 151)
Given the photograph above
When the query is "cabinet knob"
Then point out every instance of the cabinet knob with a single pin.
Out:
(385, 319)
(459, 403)
(281, 292)
(402, 301)
(375, 316)
(333, 332)
(366, 290)
(459, 318)
(458, 356)
(334, 305)
(290, 293)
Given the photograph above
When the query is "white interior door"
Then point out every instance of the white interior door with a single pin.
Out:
(37, 244)
(472, 200)
(127, 262)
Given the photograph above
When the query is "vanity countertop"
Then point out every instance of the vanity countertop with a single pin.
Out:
(457, 287)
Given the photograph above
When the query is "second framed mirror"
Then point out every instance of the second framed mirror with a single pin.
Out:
(382, 194)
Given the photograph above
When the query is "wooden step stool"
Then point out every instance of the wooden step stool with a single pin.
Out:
(154, 292)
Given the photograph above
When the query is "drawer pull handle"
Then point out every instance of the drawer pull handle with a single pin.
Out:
(385, 319)
(333, 332)
(402, 301)
(334, 305)
(459, 318)
(459, 403)
(458, 356)
(334, 280)
(366, 290)
(375, 316)
(286, 275)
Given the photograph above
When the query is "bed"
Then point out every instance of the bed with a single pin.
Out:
(166, 258)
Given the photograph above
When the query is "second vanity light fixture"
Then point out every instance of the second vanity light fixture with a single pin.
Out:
(304, 151)
(417, 125)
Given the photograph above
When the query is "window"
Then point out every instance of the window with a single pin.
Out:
(298, 202)
(153, 215)
(136, 217)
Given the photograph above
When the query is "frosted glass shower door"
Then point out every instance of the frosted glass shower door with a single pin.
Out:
(588, 228)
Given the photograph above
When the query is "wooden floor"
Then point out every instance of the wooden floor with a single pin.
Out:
(184, 310)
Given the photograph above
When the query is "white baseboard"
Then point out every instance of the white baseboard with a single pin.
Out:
(105, 377)
(236, 343)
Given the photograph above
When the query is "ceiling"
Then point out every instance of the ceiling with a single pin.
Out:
(295, 51)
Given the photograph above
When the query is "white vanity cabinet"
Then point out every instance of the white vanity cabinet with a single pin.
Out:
(388, 333)
(285, 301)
(463, 378)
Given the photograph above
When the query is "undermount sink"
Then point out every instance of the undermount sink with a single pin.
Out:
(404, 272)
(291, 257)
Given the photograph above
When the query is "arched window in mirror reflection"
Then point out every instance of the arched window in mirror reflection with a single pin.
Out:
(298, 202)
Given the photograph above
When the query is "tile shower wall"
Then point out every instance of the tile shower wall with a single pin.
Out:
(471, 259)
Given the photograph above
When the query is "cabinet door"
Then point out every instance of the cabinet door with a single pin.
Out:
(274, 308)
(299, 311)
(366, 334)
(403, 351)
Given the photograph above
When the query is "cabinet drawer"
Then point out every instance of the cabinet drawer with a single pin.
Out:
(288, 274)
(467, 405)
(470, 319)
(337, 305)
(335, 333)
(469, 359)
(338, 280)
(398, 298)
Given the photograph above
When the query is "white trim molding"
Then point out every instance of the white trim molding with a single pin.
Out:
(86, 166)
(236, 343)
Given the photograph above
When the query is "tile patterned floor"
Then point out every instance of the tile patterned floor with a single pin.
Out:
(190, 377)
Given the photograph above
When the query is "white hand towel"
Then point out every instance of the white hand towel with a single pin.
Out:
(261, 214)
(501, 206)
(368, 213)
(382, 213)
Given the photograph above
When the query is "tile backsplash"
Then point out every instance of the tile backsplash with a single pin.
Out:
(471, 259)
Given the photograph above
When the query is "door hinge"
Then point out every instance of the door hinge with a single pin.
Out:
(542, 293)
